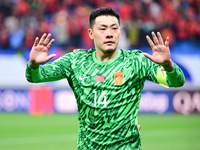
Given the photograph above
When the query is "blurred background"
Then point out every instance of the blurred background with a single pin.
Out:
(170, 116)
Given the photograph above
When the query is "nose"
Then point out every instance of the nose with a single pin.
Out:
(109, 34)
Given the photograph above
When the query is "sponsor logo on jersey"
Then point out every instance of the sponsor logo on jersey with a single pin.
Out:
(118, 78)
(100, 78)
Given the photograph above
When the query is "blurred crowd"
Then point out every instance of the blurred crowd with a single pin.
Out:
(68, 21)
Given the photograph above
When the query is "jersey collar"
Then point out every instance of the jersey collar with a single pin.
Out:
(105, 62)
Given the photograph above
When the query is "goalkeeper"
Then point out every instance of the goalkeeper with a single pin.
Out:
(106, 81)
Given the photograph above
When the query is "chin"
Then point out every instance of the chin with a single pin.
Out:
(109, 51)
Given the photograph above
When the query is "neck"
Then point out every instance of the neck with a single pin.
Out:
(106, 56)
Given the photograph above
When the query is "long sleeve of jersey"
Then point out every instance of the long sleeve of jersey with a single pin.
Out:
(52, 71)
(175, 78)
(157, 74)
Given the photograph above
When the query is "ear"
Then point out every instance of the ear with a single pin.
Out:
(90, 33)
(120, 32)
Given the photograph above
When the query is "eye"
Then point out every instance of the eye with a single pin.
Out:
(115, 28)
(102, 29)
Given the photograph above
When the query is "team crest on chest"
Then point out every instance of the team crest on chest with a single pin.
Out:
(118, 78)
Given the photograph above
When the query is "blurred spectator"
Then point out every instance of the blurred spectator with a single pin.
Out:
(168, 32)
(11, 23)
(22, 7)
(16, 39)
(22, 20)
(29, 38)
(133, 34)
(60, 28)
(4, 38)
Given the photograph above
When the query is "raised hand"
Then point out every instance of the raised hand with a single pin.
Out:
(39, 51)
(161, 53)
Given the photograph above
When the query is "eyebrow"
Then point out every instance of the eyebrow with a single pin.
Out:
(107, 25)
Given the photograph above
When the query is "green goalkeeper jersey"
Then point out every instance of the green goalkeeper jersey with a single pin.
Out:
(107, 93)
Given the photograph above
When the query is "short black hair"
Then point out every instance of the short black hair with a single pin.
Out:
(103, 11)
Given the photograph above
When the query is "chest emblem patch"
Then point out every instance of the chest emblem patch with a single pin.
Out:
(118, 78)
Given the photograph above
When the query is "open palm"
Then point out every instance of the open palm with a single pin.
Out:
(161, 53)
(40, 49)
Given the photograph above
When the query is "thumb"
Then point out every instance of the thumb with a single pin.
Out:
(50, 57)
(148, 56)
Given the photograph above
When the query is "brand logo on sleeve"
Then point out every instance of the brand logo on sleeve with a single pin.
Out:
(118, 78)
(82, 78)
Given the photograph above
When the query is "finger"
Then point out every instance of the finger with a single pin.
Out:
(150, 42)
(41, 42)
(167, 42)
(148, 56)
(50, 44)
(155, 39)
(47, 39)
(160, 39)
(36, 41)
(50, 57)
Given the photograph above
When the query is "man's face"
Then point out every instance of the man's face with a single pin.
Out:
(105, 33)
